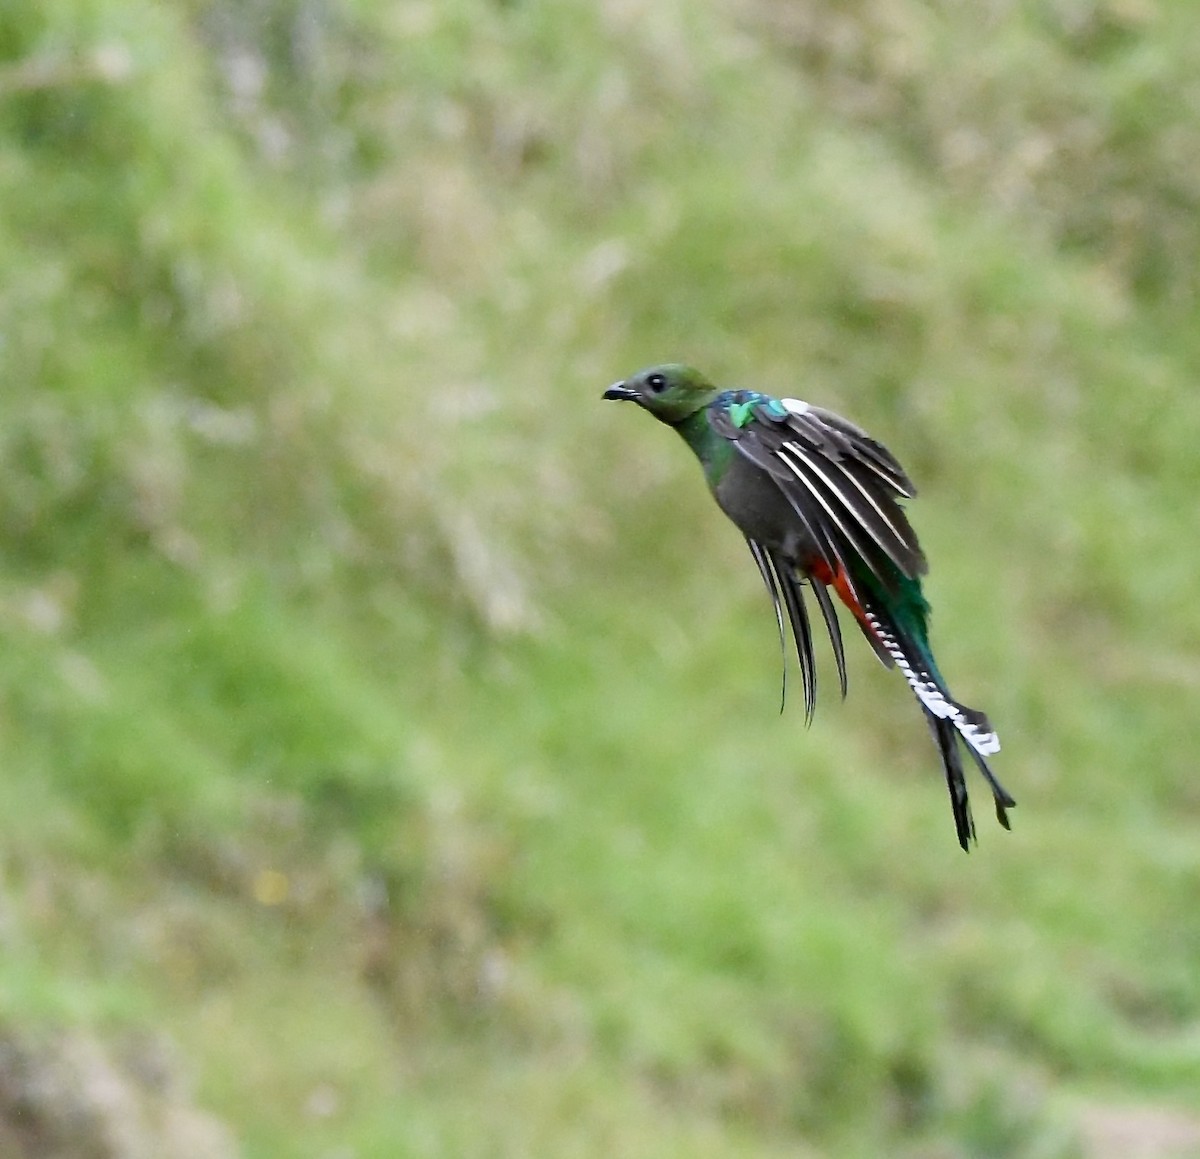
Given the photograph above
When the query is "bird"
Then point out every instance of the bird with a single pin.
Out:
(820, 504)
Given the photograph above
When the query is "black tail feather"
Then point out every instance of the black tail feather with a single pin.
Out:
(1001, 796)
(946, 737)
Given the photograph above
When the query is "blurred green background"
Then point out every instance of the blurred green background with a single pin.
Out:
(390, 756)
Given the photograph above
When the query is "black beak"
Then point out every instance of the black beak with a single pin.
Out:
(619, 390)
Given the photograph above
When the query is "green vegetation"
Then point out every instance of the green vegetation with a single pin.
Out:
(369, 728)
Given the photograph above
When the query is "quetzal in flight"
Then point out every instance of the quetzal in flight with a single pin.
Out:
(819, 502)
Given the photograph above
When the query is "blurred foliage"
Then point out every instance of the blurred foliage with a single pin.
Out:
(390, 725)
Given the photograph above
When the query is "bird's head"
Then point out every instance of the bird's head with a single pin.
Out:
(671, 392)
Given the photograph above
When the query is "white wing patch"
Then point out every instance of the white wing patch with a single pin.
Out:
(794, 406)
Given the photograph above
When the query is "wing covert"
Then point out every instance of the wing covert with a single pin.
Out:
(845, 487)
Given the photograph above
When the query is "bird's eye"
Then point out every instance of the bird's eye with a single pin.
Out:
(657, 383)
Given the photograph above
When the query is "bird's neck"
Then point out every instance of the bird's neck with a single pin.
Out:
(713, 451)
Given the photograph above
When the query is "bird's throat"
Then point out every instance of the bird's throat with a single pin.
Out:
(713, 451)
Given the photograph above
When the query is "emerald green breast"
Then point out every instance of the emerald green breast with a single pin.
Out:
(714, 452)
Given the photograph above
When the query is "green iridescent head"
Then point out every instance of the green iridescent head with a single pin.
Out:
(671, 392)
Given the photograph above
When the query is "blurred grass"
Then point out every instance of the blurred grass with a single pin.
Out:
(392, 725)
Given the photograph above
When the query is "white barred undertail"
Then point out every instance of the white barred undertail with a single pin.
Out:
(971, 723)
